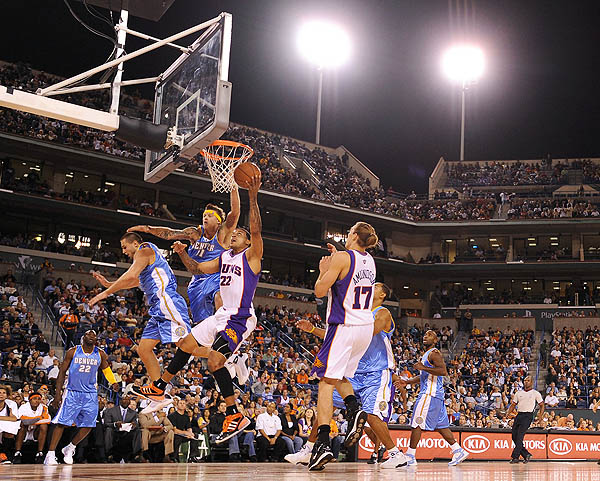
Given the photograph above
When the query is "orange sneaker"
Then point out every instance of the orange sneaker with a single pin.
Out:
(233, 424)
(149, 391)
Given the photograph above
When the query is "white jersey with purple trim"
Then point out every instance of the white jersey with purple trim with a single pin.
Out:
(351, 298)
(237, 281)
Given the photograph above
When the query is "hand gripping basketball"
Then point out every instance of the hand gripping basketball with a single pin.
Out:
(244, 172)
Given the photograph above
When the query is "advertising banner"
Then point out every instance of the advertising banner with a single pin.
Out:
(431, 445)
(573, 446)
(484, 445)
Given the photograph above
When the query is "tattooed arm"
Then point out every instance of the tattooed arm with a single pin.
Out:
(189, 233)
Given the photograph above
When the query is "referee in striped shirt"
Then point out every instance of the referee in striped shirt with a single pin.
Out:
(525, 402)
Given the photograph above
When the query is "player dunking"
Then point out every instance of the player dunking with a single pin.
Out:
(80, 401)
(348, 278)
(372, 382)
(223, 332)
(169, 320)
(429, 411)
(208, 242)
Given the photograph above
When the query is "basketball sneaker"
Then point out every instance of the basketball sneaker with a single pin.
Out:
(39, 458)
(320, 456)
(50, 459)
(68, 452)
(157, 405)
(149, 391)
(233, 424)
(17, 458)
(410, 460)
(4, 459)
(458, 456)
(396, 459)
(356, 423)
(301, 457)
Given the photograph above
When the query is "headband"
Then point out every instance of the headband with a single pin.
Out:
(215, 213)
(34, 395)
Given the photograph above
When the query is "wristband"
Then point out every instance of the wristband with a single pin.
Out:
(313, 328)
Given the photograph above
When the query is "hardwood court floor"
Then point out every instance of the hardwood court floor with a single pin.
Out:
(468, 471)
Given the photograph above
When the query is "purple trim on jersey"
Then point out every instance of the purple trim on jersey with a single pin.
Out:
(235, 329)
(250, 283)
(337, 313)
(386, 419)
(320, 364)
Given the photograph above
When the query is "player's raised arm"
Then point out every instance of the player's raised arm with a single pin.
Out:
(231, 221)
(189, 233)
(255, 251)
(62, 374)
(131, 277)
(208, 267)
(330, 268)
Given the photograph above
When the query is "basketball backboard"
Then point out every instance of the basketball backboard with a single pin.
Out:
(192, 100)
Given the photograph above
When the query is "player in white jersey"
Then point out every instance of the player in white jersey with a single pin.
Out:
(348, 278)
(372, 382)
(429, 411)
(224, 331)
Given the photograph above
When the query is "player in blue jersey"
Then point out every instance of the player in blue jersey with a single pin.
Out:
(80, 399)
(169, 320)
(429, 411)
(372, 382)
(207, 242)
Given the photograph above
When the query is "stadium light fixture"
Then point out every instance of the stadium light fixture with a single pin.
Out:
(326, 45)
(463, 64)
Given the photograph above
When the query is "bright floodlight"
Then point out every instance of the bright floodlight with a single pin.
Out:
(463, 63)
(324, 44)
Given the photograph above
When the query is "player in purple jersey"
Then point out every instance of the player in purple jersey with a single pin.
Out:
(348, 278)
(207, 241)
(239, 269)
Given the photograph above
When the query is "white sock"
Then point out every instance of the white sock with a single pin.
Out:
(51, 453)
(455, 447)
(71, 446)
(17, 452)
(309, 444)
(393, 451)
(411, 451)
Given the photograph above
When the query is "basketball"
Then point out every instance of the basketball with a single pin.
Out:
(244, 172)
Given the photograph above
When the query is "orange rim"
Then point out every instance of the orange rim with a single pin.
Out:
(246, 153)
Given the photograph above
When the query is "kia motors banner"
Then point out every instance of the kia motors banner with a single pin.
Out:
(496, 444)
(573, 446)
(431, 445)
(499, 445)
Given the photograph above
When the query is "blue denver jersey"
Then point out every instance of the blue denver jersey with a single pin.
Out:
(379, 355)
(83, 371)
(204, 250)
(160, 286)
(431, 385)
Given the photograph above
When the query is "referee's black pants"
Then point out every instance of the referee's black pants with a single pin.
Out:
(520, 427)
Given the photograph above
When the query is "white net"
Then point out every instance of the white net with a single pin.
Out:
(222, 157)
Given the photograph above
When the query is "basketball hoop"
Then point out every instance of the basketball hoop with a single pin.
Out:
(222, 157)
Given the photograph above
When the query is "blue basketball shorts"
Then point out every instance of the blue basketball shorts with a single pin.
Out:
(201, 292)
(429, 414)
(375, 392)
(79, 408)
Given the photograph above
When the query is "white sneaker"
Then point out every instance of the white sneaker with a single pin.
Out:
(68, 454)
(458, 456)
(50, 460)
(157, 405)
(410, 460)
(301, 457)
(230, 365)
(241, 368)
(396, 459)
